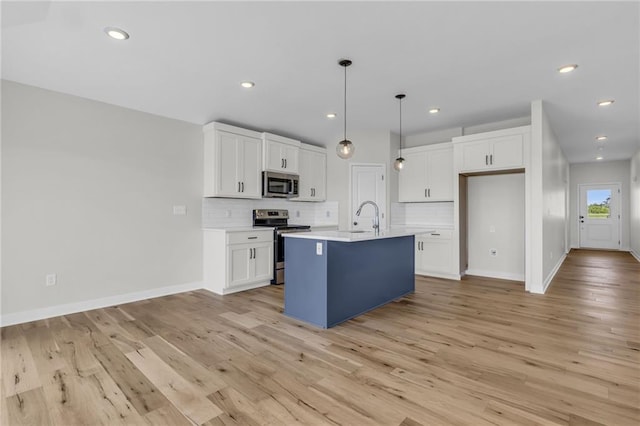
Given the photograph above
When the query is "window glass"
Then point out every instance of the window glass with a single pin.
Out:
(598, 203)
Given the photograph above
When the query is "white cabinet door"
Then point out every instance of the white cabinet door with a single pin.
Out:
(290, 156)
(239, 264)
(412, 180)
(502, 152)
(434, 253)
(427, 174)
(262, 261)
(313, 175)
(280, 154)
(440, 175)
(229, 176)
(506, 152)
(250, 163)
(475, 155)
(232, 162)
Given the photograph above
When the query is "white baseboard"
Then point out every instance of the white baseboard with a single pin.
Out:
(87, 305)
(552, 274)
(495, 274)
(439, 275)
(636, 255)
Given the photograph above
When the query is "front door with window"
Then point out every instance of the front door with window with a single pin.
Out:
(599, 216)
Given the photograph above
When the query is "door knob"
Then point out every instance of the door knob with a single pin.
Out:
(581, 217)
(581, 221)
(355, 223)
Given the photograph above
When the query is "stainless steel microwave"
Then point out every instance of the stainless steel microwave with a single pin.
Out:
(279, 185)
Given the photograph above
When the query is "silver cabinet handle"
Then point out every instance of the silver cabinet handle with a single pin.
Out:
(242, 183)
(486, 160)
(285, 163)
(491, 159)
(252, 238)
(433, 233)
(250, 253)
(429, 192)
(425, 193)
(238, 186)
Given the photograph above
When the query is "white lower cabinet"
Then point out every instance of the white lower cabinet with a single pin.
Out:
(434, 254)
(237, 260)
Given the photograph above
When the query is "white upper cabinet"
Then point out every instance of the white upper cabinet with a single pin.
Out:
(427, 174)
(280, 154)
(498, 150)
(232, 162)
(313, 174)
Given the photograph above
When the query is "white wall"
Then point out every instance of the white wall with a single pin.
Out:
(371, 148)
(495, 215)
(600, 172)
(634, 202)
(548, 207)
(87, 193)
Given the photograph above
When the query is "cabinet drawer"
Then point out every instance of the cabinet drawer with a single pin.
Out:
(440, 234)
(242, 237)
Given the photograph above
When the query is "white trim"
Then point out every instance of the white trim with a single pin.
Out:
(235, 289)
(495, 274)
(444, 275)
(636, 255)
(87, 305)
(554, 271)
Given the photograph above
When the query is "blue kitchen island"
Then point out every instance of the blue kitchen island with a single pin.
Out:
(334, 276)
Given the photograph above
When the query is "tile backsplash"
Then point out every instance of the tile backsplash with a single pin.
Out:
(229, 212)
(422, 214)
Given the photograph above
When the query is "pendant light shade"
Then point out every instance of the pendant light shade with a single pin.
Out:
(345, 147)
(399, 163)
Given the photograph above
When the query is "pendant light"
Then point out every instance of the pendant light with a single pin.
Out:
(399, 163)
(345, 148)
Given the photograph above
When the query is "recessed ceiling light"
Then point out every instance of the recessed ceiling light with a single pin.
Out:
(434, 110)
(606, 103)
(601, 138)
(116, 33)
(567, 68)
(332, 115)
(247, 84)
(599, 157)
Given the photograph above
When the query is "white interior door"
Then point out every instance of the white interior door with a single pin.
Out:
(599, 216)
(368, 184)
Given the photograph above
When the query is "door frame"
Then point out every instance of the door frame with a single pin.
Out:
(618, 207)
(383, 212)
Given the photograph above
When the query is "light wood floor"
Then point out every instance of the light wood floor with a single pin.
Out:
(474, 352)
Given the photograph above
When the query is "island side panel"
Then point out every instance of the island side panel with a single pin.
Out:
(305, 281)
(364, 275)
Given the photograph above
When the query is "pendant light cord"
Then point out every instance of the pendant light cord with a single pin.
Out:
(400, 127)
(345, 102)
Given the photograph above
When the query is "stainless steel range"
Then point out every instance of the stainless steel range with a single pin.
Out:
(278, 219)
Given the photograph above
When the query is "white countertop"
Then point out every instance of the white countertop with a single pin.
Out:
(351, 237)
(240, 228)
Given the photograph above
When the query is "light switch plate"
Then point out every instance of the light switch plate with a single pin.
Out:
(51, 279)
(319, 249)
(179, 210)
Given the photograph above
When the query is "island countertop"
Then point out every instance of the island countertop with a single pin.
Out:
(351, 236)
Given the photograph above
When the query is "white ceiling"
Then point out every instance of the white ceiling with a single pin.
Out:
(479, 62)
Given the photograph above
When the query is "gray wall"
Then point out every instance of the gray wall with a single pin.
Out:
(601, 172)
(87, 193)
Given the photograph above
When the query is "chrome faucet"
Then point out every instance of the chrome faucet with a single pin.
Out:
(376, 219)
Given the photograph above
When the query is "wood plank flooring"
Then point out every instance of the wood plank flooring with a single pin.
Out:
(475, 352)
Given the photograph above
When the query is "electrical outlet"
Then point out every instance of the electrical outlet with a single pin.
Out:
(493, 252)
(328, 213)
(227, 213)
(179, 210)
(319, 249)
(297, 213)
(51, 279)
